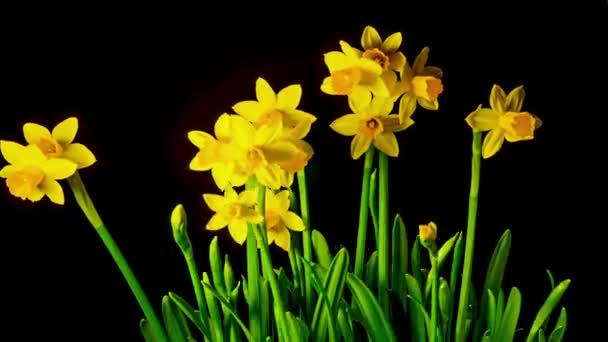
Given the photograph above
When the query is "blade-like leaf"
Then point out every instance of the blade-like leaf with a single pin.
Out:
(319, 244)
(212, 292)
(417, 320)
(444, 251)
(147, 332)
(345, 325)
(416, 262)
(217, 267)
(399, 257)
(545, 310)
(315, 274)
(296, 328)
(371, 271)
(177, 330)
(506, 329)
(189, 312)
(560, 327)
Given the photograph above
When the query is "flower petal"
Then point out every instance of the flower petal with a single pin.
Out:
(392, 43)
(293, 221)
(387, 143)
(432, 71)
(497, 99)
(350, 51)
(381, 106)
(359, 100)
(289, 97)
(269, 175)
(248, 197)
(281, 200)
(483, 119)
(407, 106)
(420, 61)
(268, 133)
(428, 105)
(214, 202)
(370, 38)
(397, 61)
(200, 139)
(271, 234)
(53, 190)
(283, 239)
(79, 154)
(14, 153)
(379, 88)
(328, 87)
(391, 123)
(347, 125)
(359, 145)
(492, 142)
(280, 151)
(264, 93)
(238, 231)
(216, 222)
(336, 60)
(221, 174)
(58, 168)
(4, 172)
(33, 132)
(515, 99)
(36, 195)
(223, 127)
(250, 110)
(230, 194)
(243, 131)
(65, 132)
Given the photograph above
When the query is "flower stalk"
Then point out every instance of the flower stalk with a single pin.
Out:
(383, 231)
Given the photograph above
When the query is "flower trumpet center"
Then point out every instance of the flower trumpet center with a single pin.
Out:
(24, 182)
(49, 147)
(234, 210)
(255, 158)
(270, 117)
(518, 126)
(377, 56)
(272, 219)
(427, 87)
(345, 80)
(371, 128)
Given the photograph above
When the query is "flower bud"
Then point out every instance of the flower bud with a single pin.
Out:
(179, 224)
(428, 235)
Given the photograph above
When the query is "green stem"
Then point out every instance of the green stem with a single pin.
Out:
(383, 243)
(363, 213)
(86, 204)
(253, 278)
(434, 295)
(306, 240)
(198, 289)
(469, 238)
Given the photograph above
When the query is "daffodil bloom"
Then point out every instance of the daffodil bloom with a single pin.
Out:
(271, 107)
(423, 85)
(262, 150)
(350, 71)
(297, 163)
(383, 52)
(503, 120)
(59, 143)
(233, 210)
(279, 219)
(428, 232)
(371, 123)
(218, 155)
(31, 175)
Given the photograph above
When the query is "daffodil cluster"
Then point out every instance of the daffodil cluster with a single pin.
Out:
(34, 169)
(264, 138)
(374, 79)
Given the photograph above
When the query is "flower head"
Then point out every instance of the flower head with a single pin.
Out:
(31, 175)
(504, 120)
(60, 142)
(279, 219)
(428, 235)
(370, 123)
(385, 53)
(233, 210)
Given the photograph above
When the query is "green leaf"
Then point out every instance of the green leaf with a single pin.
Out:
(229, 280)
(231, 310)
(444, 251)
(147, 332)
(417, 320)
(296, 328)
(189, 312)
(416, 262)
(545, 310)
(371, 271)
(373, 202)
(177, 329)
(551, 279)
(500, 307)
(321, 248)
(315, 274)
(456, 262)
(560, 327)
(215, 323)
(506, 329)
(345, 325)
(445, 301)
(264, 305)
(491, 313)
(374, 321)
(427, 318)
(217, 267)
(399, 258)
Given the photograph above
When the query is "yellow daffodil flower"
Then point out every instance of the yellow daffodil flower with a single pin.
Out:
(31, 175)
(383, 52)
(350, 71)
(297, 163)
(428, 232)
(59, 143)
(233, 210)
(262, 150)
(271, 107)
(218, 155)
(504, 120)
(279, 219)
(423, 85)
(371, 123)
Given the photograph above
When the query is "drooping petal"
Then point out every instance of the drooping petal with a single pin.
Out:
(264, 93)
(289, 97)
(392, 43)
(483, 119)
(282, 239)
(497, 99)
(216, 222)
(420, 61)
(387, 143)
(492, 142)
(223, 127)
(381, 106)
(14, 153)
(214, 202)
(359, 100)
(515, 99)
(238, 231)
(407, 106)
(370, 38)
(347, 125)
(397, 61)
(359, 145)
(36, 195)
(53, 190)
(271, 234)
(79, 154)
(58, 168)
(65, 132)
(292, 221)
(33, 132)
(379, 88)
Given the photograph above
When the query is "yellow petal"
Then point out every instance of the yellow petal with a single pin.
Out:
(214, 202)
(483, 119)
(359, 100)
(223, 127)
(248, 197)
(420, 61)
(350, 51)
(58, 168)
(336, 60)
(243, 131)
(270, 176)
(271, 234)
(238, 177)
(492, 142)
(230, 194)
(497, 99)
(200, 139)
(281, 200)
(221, 174)
(391, 123)
(53, 190)
(370, 38)
(283, 239)
(432, 71)
(292, 221)
(268, 133)
(287, 178)
(515, 99)
(203, 161)
(280, 151)
(36, 195)
(264, 93)
(216, 222)
(65, 132)
(301, 130)
(238, 231)
(407, 106)
(14, 153)
(387, 143)
(379, 88)
(33, 155)
(381, 106)
(289, 97)
(347, 125)
(392, 43)
(79, 154)
(428, 105)
(250, 110)
(328, 87)
(6, 170)
(397, 61)
(33, 132)
(359, 145)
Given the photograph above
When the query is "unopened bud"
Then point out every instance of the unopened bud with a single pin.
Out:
(179, 224)
(428, 234)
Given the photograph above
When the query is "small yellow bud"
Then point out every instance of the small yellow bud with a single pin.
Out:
(179, 224)
(428, 235)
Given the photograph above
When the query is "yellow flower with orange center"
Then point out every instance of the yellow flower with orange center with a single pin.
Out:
(370, 123)
(423, 85)
(385, 53)
(504, 120)
(31, 175)
(234, 211)
(279, 220)
(299, 161)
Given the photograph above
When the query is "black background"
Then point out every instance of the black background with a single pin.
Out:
(140, 79)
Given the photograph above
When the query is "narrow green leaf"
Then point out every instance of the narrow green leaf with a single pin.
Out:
(315, 274)
(500, 307)
(146, 331)
(456, 262)
(373, 202)
(176, 329)
(345, 325)
(560, 327)
(215, 323)
(491, 312)
(217, 267)
(371, 271)
(416, 262)
(231, 310)
(399, 257)
(427, 318)
(319, 244)
(245, 289)
(265, 306)
(252, 290)
(545, 310)
(296, 328)
(417, 321)
(443, 253)
(229, 280)
(551, 279)
(541, 335)
(445, 301)
(506, 329)
(189, 312)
